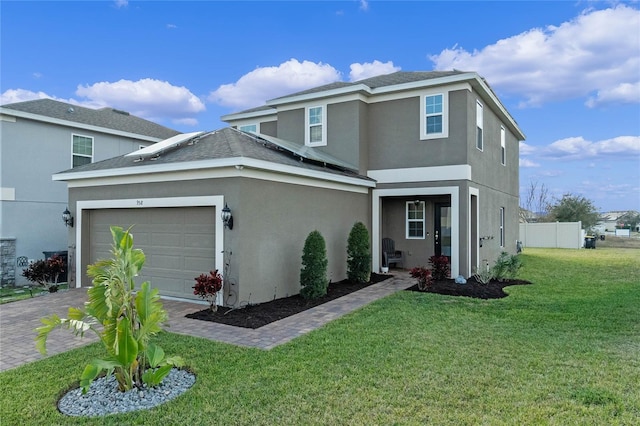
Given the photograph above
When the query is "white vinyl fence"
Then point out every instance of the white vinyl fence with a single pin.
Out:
(552, 234)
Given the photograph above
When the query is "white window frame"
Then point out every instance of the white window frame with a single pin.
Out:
(421, 204)
(503, 146)
(308, 125)
(423, 115)
(502, 227)
(73, 154)
(244, 128)
(479, 126)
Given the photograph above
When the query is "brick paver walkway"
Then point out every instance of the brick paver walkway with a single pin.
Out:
(19, 319)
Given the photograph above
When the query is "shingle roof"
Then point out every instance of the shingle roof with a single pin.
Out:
(218, 145)
(400, 77)
(108, 118)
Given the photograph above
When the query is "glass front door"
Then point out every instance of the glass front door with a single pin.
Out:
(442, 231)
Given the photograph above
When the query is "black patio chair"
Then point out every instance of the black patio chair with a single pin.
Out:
(390, 254)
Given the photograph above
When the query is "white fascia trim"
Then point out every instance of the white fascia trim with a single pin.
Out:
(421, 174)
(263, 115)
(423, 84)
(314, 102)
(473, 192)
(207, 169)
(66, 123)
(216, 201)
(496, 102)
(316, 95)
(376, 206)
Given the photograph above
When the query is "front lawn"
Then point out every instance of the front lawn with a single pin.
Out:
(565, 350)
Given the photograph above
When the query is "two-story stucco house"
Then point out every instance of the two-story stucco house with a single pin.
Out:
(39, 138)
(428, 159)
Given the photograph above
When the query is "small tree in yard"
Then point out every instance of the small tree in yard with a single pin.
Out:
(358, 254)
(313, 275)
(124, 320)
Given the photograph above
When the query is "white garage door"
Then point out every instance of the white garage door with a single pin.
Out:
(178, 242)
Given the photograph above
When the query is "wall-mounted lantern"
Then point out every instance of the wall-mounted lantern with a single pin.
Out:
(227, 219)
(67, 218)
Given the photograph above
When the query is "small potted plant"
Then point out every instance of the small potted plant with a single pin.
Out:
(424, 277)
(46, 272)
(207, 287)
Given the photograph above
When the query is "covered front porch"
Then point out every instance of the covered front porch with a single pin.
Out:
(427, 221)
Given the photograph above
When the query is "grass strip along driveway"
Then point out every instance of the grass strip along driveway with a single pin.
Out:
(565, 350)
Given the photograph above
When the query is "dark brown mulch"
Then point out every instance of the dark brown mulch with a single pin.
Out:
(256, 316)
(472, 288)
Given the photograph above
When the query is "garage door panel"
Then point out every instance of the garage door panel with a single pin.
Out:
(178, 243)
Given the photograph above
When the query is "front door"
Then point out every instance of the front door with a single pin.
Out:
(442, 231)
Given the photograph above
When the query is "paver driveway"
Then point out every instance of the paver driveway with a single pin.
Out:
(19, 319)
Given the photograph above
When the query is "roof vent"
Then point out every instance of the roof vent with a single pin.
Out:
(70, 110)
(119, 111)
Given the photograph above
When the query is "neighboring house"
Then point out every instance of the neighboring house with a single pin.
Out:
(39, 138)
(429, 159)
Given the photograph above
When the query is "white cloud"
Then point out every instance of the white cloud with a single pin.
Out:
(261, 84)
(526, 149)
(149, 98)
(371, 69)
(11, 96)
(121, 3)
(524, 162)
(171, 26)
(622, 93)
(624, 147)
(364, 5)
(597, 52)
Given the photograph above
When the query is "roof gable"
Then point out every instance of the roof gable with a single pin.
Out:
(224, 146)
(107, 118)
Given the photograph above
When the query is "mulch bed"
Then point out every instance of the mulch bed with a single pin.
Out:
(256, 316)
(472, 288)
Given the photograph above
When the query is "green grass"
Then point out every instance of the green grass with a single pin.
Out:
(13, 294)
(564, 351)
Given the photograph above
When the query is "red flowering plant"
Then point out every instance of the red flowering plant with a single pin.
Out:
(440, 267)
(46, 272)
(207, 287)
(424, 277)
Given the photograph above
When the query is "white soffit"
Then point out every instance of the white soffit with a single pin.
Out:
(164, 145)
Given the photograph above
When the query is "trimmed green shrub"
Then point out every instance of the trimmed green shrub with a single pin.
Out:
(313, 275)
(358, 254)
(506, 266)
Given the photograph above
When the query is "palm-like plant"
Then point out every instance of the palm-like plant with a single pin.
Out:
(128, 320)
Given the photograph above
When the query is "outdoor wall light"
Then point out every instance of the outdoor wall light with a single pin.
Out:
(227, 219)
(67, 218)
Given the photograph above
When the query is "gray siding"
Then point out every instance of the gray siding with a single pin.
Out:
(271, 223)
(31, 152)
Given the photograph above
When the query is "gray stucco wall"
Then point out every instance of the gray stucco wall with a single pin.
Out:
(31, 152)
(271, 223)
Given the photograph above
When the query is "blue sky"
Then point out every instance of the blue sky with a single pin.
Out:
(568, 71)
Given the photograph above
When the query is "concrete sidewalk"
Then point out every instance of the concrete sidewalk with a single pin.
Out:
(19, 319)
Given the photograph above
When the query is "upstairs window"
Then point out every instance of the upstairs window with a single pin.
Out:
(316, 120)
(249, 128)
(433, 116)
(415, 220)
(82, 150)
(503, 146)
(501, 226)
(479, 126)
